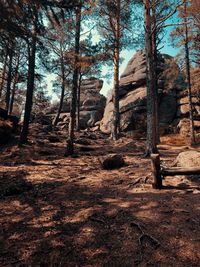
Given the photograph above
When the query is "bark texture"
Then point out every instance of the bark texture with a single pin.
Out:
(151, 119)
(70, 141)
(188, 77)
(116, 119)
(62, 90)
(3, 73)
(9, 78)
(30, 89)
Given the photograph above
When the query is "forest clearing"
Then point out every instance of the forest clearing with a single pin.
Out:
(58, 211)
(99, 133)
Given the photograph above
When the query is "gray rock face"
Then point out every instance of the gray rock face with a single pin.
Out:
(92, 104)
(132, 93)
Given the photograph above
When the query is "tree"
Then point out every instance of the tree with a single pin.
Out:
(82, 9)
(14, 81)
(156, 15)
(59, 41)
(90, 64)
(151, 90)
(188, 75)
(31, 73)
(184, 37)
(70, 140)
(36, 28)
(41, 100)
(9, 74)
(4, 71)
(115, 27)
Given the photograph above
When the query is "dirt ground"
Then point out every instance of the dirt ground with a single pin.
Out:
(58, 211)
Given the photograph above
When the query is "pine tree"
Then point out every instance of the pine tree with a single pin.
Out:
(115, 26)
(70, 140)
(156, 15)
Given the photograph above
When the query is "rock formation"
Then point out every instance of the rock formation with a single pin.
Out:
(132, 94)
(92, 104)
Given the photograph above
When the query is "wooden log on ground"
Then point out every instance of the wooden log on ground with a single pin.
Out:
(156, 171)
(180, 171)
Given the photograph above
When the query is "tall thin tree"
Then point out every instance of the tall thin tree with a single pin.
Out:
(188, 75)
(70, 140)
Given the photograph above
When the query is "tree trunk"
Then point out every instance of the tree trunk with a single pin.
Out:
(151, 120)
(155, 165)
(9, 78)
(70, 141)
(155, 79)
(62, 92)
(3, 74)
(13, 95)
(188, 77)
(78, 104)
(16, 77)
(116, 119)
(30, 89)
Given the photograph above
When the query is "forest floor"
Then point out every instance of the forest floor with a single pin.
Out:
(62, 211)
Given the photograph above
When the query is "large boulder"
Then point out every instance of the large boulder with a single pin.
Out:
(132, 94)
(190, 158)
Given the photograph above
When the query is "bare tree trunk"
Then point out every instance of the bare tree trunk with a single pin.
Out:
(62, 92)
(151, 120)
(155, 79)
(188, 76)
(78, 104)
(3, 73)
(9, 78)
(16, 77)
(30, 89)
(13, 94)
(116, 119)
(70, 141)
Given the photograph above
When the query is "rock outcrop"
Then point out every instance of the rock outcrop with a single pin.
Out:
(92, 104)
(132, 94)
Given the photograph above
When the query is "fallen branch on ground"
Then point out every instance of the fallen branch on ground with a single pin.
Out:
(144, 236)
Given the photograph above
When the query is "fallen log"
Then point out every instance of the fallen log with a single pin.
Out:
(180, 171)
(159, 172)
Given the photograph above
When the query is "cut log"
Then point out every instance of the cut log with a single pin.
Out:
(155, 164)
(180, 171)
